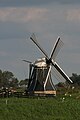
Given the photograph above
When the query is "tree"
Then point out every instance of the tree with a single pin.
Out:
(14, 82)
(76, 79)
(7, 79)
(23, 82)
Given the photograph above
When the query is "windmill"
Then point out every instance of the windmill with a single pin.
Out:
(40, 80)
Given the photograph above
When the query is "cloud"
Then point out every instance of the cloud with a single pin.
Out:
(3, 54)
(17, 22)
(73, 15)
(23, 15)
(68, 1)
(19, 3)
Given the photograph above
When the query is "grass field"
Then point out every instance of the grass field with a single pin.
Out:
(40, 108)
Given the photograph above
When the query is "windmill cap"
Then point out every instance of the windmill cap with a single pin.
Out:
(40, 62)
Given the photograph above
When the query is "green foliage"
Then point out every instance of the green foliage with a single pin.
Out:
(7, 79)
(76, 79)
(14, 82)
(40, 109)
(23, 82)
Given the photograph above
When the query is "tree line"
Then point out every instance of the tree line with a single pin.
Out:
(7, 79)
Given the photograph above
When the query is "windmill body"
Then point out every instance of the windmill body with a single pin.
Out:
(40, 79)
(37, 76)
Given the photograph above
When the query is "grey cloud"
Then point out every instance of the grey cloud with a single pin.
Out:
(5, 3)
(11, 30)
(68, 1)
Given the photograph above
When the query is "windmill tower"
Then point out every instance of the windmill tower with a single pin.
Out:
(40, 80)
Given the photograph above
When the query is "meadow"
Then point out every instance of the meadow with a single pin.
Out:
(56, 108)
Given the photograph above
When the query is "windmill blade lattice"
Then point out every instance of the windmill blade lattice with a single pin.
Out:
(56, 48)
(33, 38)
(61, 73)
(27, 61)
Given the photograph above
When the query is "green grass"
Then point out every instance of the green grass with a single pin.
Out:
(40, 108)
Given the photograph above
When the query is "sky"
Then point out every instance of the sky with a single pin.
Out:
(48, 19)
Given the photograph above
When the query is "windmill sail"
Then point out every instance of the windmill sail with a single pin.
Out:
(33, 38)
(47, 77)
(61, 73)
(48, 84)
(56, 48)
(27, 61)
